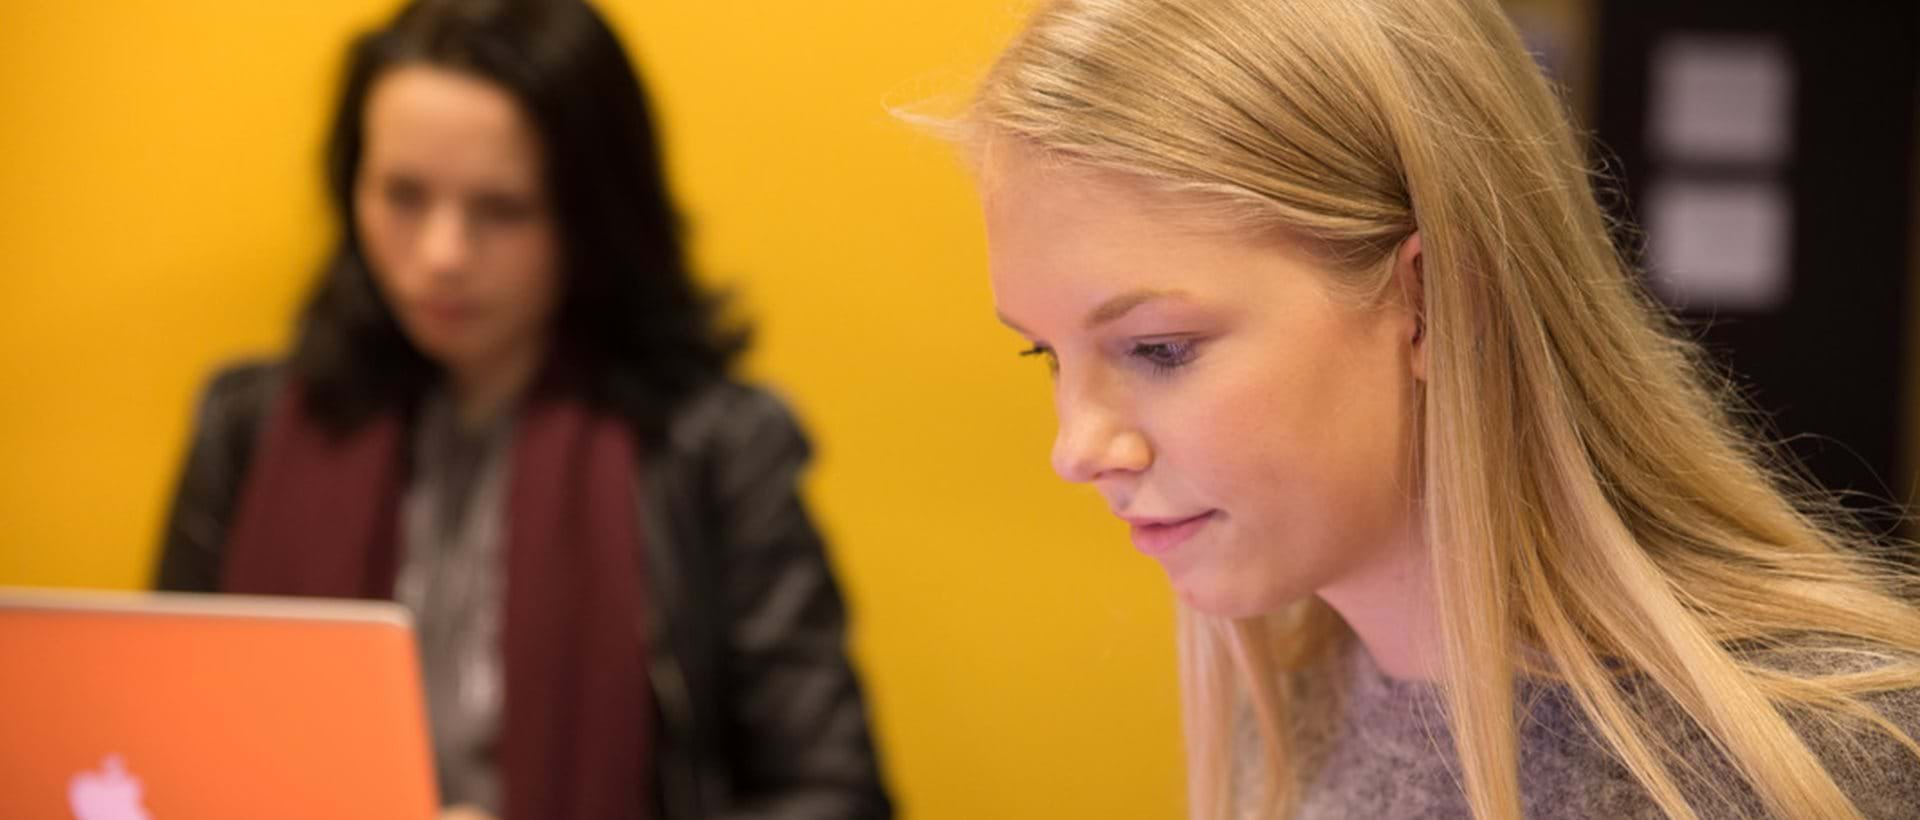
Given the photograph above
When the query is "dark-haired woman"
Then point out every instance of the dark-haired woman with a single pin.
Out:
(508, 408)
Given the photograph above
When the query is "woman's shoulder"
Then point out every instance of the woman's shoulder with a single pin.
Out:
(730, 414)
(1874, 766)
(1880, 773)
(241, 388)
(235, 398)
(1854, 706)
(1567, 764)
(733, 399)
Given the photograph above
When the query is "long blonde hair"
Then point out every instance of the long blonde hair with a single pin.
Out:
(1592, 502)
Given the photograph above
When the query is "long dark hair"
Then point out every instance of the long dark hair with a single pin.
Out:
(631, 317)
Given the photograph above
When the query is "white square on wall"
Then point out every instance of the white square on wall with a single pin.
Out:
(1724, 99)
(1720, 245)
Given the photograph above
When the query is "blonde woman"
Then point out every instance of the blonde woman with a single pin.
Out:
(1459, 524)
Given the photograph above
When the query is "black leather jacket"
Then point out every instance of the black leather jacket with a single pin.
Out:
(760, 712)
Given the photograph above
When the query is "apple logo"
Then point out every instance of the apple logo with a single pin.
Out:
(108, 794)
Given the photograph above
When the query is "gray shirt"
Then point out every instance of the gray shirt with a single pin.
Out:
(452, 575)
(1386, 752)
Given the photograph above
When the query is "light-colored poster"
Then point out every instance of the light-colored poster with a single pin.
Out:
(1720, 246)
(1721, 99)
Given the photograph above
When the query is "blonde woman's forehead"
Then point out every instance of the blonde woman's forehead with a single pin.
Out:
(1015, 167)
(1069, 250)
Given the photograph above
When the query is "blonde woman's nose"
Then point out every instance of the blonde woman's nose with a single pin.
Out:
(1093, 443)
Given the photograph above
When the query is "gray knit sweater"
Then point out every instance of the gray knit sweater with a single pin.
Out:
(1385, 753)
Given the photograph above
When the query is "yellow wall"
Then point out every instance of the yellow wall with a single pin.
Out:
(161, 213)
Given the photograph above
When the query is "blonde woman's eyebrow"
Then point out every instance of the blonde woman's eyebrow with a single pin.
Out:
(1108, 311)
(1118, 306)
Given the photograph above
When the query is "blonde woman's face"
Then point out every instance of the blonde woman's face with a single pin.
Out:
(1253, 426)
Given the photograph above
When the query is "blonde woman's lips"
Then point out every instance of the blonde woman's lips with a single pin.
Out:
(1158, 536)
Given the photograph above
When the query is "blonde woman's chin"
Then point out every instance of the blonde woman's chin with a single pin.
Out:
(1232, 595)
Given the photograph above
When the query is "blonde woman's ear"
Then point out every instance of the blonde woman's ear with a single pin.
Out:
(1409, 273)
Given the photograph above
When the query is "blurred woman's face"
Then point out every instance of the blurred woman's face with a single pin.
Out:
(451, 209)
(1252, 425)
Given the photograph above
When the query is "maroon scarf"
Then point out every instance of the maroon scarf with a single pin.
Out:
(319, 516)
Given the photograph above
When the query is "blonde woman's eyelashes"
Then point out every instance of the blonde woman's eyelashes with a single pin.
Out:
(1158, 356)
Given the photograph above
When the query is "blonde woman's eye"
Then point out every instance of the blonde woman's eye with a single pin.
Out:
(1164, 356)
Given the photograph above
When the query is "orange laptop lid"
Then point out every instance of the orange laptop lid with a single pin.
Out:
(156, 707)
